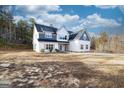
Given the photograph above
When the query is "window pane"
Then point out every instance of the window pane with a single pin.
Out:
(86, 46)
(82, 46)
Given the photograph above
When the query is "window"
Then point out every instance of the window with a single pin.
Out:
(85, 37)
(49, 46)
(63, 37)
(48, 35)
(82, 46)
(86, 46)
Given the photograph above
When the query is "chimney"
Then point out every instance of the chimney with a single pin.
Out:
(51, 25)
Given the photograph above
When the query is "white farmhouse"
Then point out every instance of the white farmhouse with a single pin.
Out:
(49, 38)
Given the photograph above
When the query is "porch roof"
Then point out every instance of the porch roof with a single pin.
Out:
(45, 40)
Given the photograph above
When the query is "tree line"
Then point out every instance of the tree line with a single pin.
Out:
(106, 43)
(12, 32)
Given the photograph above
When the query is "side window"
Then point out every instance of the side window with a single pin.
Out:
(82, 46)
(86, 46)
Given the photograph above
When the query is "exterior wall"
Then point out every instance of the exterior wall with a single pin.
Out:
(35, 40)
(62, 32)
(75, 45)
(41, 45)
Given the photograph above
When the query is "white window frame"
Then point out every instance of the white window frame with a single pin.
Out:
(49, 46)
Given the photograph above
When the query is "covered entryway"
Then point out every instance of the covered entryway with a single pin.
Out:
(63, 47)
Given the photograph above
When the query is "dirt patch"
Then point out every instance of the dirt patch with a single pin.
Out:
(30, 69)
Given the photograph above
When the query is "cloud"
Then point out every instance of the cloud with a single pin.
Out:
(46, 15)
(59, 18)
(121, 7)
(106, 6)
(51, 15)
(36, 9)
(17, 18)
(95, 20)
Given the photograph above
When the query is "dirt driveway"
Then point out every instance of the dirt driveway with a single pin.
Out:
(88, 58)
(30, 69)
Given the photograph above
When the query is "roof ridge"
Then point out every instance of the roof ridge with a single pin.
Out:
(45, 25)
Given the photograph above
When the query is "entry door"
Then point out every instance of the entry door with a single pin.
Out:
(60, 47)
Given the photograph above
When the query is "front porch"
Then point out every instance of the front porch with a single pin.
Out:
(63, 47)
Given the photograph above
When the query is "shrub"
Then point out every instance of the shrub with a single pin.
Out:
(51, 50)
(57, 50)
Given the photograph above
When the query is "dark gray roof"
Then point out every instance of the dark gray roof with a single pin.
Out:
(45, 28)
(46, 40)
(72, 36)
(70, 32)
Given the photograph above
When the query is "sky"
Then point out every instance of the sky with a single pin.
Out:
(94, 19)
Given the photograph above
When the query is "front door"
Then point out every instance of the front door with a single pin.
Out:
(60, 47)
(63, 47)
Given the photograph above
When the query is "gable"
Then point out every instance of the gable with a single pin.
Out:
(84, 36)
(62, 31)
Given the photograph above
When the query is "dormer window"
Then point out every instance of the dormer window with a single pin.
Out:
(48, 35)
(63, 37)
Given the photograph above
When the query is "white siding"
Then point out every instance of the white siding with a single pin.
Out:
(41, 45)
(62, 32)
(35, 40)
(75, 45)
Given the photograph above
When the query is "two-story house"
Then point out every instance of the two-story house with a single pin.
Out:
(50, 38)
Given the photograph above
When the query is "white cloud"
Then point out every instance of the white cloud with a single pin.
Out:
(45, 15)
(59, 18)
(121, 7)
(92, 34)
(35, 9)
(95, 20)
(106, 6)
(17, 18)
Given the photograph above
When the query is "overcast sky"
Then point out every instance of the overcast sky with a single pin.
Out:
(93, 18)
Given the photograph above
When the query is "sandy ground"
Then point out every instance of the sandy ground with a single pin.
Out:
(88, 58)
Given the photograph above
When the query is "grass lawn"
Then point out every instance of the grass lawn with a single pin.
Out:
(91, 69)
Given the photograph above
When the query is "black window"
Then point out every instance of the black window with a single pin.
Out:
(49, 46)
(65, 37)
(82, 46)
(86, 46)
